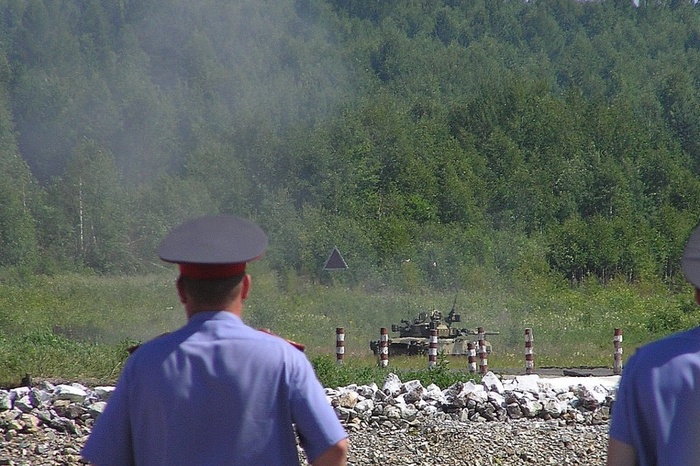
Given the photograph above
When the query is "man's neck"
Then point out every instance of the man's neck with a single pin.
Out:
(235, 308)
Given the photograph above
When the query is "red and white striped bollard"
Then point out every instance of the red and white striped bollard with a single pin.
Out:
(339, 344)
(432, 348)
(383, 347)
(529, 358)
(483, 361)
(617, 344)
(472, 357)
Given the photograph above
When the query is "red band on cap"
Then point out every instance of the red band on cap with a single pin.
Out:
(211, 271)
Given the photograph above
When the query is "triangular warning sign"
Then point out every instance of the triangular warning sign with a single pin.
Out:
(335, 261)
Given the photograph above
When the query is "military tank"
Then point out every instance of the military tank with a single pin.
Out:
(414, 336)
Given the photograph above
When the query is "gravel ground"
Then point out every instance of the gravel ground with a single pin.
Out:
(521, 442)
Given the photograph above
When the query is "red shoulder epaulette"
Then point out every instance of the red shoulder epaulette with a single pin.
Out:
(298, 346)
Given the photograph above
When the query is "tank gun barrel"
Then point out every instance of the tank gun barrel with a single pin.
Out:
(486, 332)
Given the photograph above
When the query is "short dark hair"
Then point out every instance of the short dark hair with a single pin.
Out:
(212, 293)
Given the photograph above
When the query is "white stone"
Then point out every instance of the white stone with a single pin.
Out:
(491, 382)
(477, 393)
(497, 398)
(18, 392)
(5, 400)
(408, 412)
(103, 393)
(95, 409)
(367, 391)
(523, 383)
(430, 410)
(601, 392)
(392, 412)
(24, 403)
(530, 408)
(554, 407)
(471, 387)
(73, 392)
(364, 405)
(412, 385)
(392, 384)
(348, 399)
(414, 391)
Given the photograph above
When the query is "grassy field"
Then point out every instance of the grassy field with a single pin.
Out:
(78, 327)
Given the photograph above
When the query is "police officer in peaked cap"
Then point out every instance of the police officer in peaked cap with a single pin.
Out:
(216, 391)
(213, 247)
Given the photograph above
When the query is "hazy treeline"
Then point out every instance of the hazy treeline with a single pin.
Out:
(437, 142)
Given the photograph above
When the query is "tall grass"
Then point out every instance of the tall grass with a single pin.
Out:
(79, 326)
(359, 372)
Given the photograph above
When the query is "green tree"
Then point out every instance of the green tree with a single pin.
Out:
(92, 200)
(218, 170)
(19, 244)
(18, 236)
(681, 106)
(161, 205)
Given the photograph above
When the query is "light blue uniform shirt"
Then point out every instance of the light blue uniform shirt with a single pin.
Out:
(657, 410)
(215, 392)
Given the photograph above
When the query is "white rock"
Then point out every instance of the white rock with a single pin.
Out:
(408, 412)
(367, 391)
(5, 400)
(497, 398)
(601, 392)
(478, 394)
(414, 391)
(554, 407)
(491, 382)
(24, 403)
(95, 409)
(392, 384)
(530, 407)
(73, 392)
(412, 385)
(103, 393)
(470, 387)
(430, 410)
(420, 404)
(392, 412)
(523, 383)
(348, 399)
(364, 405)
(18, 392)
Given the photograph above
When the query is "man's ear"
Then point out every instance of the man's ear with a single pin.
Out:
(245, 286)
(180, 291)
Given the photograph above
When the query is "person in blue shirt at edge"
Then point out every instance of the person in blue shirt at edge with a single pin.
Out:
(656, 416)
(216, 391)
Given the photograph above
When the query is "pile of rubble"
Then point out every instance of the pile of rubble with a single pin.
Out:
(575, 400)
(521, 421)
(47, 424)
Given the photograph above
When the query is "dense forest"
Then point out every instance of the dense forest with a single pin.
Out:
(433, 142)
